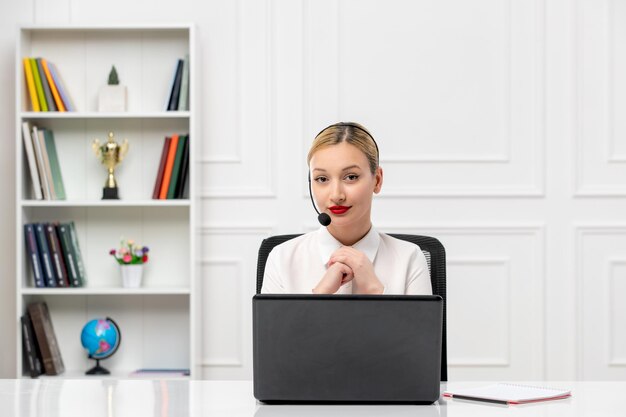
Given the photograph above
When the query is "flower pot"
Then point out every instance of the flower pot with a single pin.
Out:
(112, 98)
(131, 275)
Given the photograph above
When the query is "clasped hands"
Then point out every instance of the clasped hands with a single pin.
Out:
(347, 264)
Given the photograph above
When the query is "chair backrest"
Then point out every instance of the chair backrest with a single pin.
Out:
(435, 257)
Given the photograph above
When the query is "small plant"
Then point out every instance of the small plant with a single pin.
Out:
(113, 78)
(130, 253)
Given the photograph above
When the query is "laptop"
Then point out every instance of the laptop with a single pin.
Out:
(347, 348)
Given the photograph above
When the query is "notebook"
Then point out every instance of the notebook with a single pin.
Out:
(347, 348)
(503, 393)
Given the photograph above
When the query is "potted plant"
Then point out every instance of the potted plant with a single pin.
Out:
(131, 257)
(112, 97)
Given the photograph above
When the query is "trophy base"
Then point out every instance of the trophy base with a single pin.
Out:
(110, 193)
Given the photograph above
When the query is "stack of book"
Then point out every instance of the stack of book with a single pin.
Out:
(179, 91)
(45, 86)
(43, 162)
(172, 179)
(41, 350)
(54, 254)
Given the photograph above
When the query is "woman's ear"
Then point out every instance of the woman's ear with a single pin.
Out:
(378, 178)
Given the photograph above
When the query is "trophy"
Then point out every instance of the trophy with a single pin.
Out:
(110, 154)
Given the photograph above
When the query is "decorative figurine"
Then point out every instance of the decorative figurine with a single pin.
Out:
(112, 97)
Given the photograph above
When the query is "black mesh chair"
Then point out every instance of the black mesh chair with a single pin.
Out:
(435, 257)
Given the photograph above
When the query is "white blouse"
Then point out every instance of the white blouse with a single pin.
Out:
(297, 265)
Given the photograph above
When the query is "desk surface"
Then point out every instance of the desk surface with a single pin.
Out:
(179, 398)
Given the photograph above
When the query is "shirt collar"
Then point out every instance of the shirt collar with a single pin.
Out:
(327, 244)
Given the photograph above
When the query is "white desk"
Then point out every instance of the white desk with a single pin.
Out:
(179, 398)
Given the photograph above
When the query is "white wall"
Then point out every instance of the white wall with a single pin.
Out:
(500, 133)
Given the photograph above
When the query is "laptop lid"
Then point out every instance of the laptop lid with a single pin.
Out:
(347, 348)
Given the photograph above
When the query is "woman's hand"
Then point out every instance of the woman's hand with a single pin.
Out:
(365, 279)
(336, 275)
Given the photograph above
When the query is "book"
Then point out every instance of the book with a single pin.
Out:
(82, 272)
(46, 163)
(45, 188)
(169, 164)
(58, 81)
(55, 167)
(53, 88)
(174, 96)
(46, 87)
(69, 254)
(32, 160)
(38, 86)
(46, 338)
(49, 277)
(176, 167)
(504, 393)
(183, 98)
(32, 252)
(32, 355)
(184, 172)
(159, 178)
(30, 84)
(56, 255)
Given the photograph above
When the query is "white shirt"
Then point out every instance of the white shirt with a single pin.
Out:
(297, 265)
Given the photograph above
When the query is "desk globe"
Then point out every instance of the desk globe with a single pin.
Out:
(101, 338)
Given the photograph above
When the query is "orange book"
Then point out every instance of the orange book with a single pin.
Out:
(55, 92)
(30, 83)
(167, 174)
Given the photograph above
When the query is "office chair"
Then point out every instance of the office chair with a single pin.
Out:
(435, 257)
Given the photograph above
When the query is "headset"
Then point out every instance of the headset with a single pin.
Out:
(324, 218)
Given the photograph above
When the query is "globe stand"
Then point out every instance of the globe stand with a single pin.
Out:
(98, 370)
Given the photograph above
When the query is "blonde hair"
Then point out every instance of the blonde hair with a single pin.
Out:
(349, 132)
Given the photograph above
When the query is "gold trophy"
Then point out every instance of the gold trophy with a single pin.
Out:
(110, 154)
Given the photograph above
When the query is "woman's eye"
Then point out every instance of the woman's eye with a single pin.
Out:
(352, 177)
(321, 180)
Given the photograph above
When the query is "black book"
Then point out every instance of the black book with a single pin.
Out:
(32, 356)
(46, 338)
(184, 171)
(33, 255)
(46, 258)
(173, 105)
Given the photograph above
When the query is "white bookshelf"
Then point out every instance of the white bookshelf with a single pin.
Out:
(157, 321)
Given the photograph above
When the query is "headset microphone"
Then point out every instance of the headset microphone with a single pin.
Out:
(323, 218)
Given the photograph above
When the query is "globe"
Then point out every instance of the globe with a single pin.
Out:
(101, 338)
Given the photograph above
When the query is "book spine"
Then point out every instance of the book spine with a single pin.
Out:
(46, 339)
(57, 256)
(46, 163)
(159, 178)
(40, 163)
(176, 168)
(184, 171)
(38, 86)
(33, 357)
(53, 88)
(183, 100)
(69, 254)
(46, 87)
(55, 167)
(65, 97)
(82, 273)
(30, 84)
(32, 160)
(46, 260)
(33, 255)
(176, 88)
(167, 175)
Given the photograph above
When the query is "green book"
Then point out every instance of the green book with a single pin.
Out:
(171, 190)
(55, 168)
(69, 255)
(183, 98)
(40, 94)
(82, 273)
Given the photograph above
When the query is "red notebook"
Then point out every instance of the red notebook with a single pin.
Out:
(167, 174)
(509, 394)
(159, 178)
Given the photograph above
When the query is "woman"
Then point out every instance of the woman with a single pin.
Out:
(349, 256)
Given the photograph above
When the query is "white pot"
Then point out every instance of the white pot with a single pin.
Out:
(131, 275)
(112, 98)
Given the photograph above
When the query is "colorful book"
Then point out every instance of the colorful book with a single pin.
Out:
(174, 96)
(46, 87)
(30, 84)
(56, 254)
(46, 163)
(69, 254)
(46, 338)
(32, 160)
(159, 178)
(167, 174)
(53, 88)
(34, 259)
(184, 172)
(32, 355)
(38, 86)
(183, 99)
(63, 92)
(45, 187)
(55, 167)
(171, 190)
(82, 272)
(49, 276)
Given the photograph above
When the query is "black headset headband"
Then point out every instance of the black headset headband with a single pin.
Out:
(355, 126)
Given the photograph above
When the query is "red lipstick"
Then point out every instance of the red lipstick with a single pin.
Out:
(338, 209)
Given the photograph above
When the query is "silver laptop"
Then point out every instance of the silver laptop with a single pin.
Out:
(347, 348)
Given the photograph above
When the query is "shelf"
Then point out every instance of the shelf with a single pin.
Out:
(106, 291)
(105, 203)
(98, 115)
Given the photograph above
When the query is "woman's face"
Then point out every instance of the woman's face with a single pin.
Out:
(343, 184)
